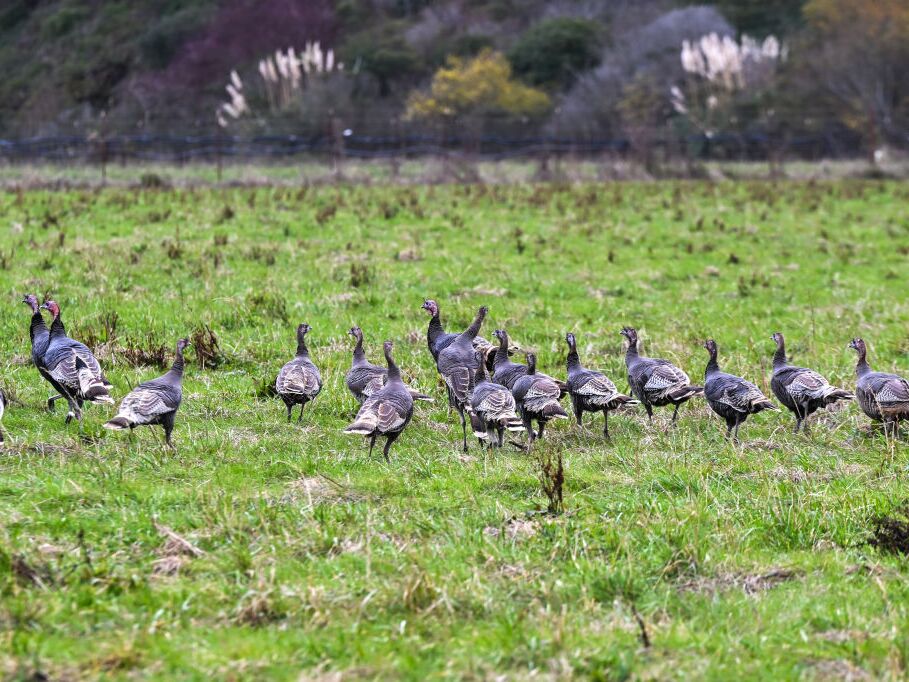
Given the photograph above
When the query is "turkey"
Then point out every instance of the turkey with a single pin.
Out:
(364, 378)
(537, 397)
(387, 411)
(299, 381)
(883, 397)
(438, 339)
(58, 329)
(73, 368)
(803, 391)
(656, 382)
(730, 396)
(591, 391)
(155, 401)
(506, 372)
(492, 409)
(40, 338)
(458, 366)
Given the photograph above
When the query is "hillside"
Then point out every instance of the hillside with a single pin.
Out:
(132, 65)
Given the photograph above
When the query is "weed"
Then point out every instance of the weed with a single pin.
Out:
(205, 345)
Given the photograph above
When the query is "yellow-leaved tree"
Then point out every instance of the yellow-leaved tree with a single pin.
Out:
(477, 88)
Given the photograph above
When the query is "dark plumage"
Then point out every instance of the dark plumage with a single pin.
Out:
(437, 339)
(458, 365)
(72, 367)
(803, 391)
(730, 396)
(299, 381)
(364, 378)
(506, 372)
(40, 338)
(537, 397)
(154, 402)
(386, 412)
(656, 382)
(591, 391)
(492, 409)
(883, 397)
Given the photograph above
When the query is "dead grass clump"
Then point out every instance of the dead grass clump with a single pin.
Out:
(515, 529)
(837, 669)
(748, 583)
(268, 304)
(100, 331)
(360, 275)
(175, 553)
(28, 574)
(316, 489)
(419, 593)
(152, 355)
(153, 181)
(552, 478)
(890, 532)
(205, 344)
(258, 608)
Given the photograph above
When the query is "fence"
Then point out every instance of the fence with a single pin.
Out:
(221, 148)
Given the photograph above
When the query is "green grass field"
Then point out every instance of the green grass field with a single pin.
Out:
(313, 560)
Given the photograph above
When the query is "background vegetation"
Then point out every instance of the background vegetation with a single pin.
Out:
(605, 68)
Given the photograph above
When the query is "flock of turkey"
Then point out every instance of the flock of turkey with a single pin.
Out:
(512, 398)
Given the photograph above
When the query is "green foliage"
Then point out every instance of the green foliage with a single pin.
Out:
(554, 52)
(306, 559)
(161, 42)
(467, 45)
(63, 21)
(762, 18)
(383, 53)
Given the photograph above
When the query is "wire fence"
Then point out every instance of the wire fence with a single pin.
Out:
(223, 148)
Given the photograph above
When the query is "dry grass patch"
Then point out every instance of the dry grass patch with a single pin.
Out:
(749, 583)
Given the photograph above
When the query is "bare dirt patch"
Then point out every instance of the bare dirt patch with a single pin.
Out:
(315, 489)
(174, 554)
(749, 583)
(514, 529)
(837, 669)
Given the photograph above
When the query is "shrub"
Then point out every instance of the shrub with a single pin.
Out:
(554, 52)
(482, 86)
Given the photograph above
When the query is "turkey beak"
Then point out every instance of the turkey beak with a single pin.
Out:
(43, 306)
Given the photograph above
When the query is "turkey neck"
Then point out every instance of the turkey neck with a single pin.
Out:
(779, 358)
(38, 333)
(712, 365)
(632, 352)
(474, 327)
(394, 374)
(177, 368)
(359, 357)
(57, 329)
(574, 361)
(502, 353)
(435, 328)
(861, 367)
(302, 350)
(531, 366)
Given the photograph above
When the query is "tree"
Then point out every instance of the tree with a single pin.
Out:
(480, 88)
(859, 59)
(554, 52)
